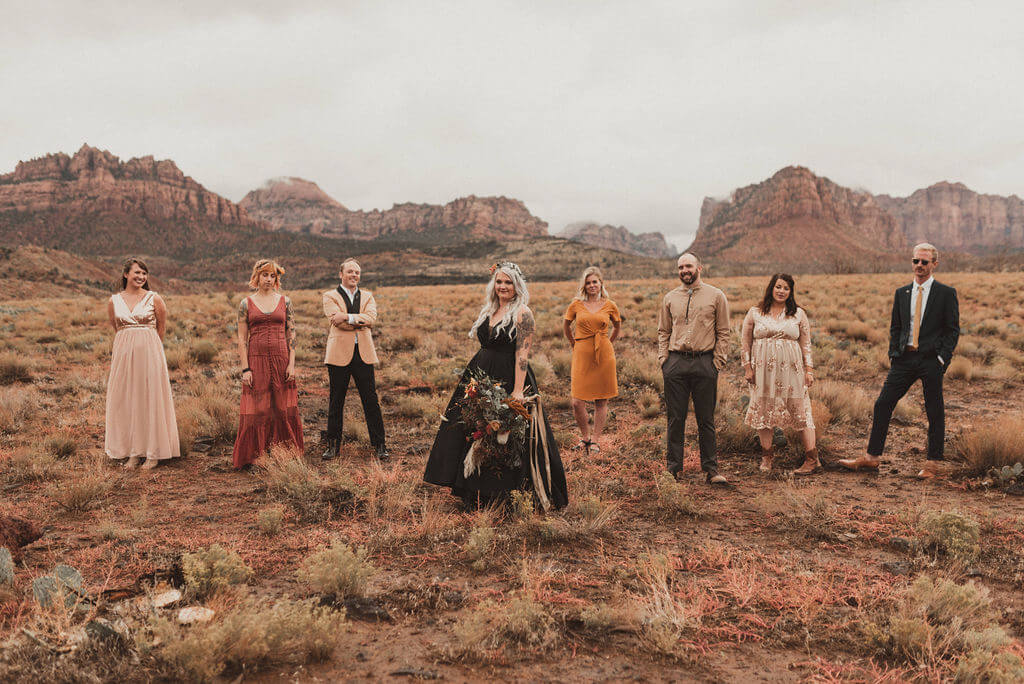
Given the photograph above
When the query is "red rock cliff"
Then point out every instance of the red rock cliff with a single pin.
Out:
(299, 205)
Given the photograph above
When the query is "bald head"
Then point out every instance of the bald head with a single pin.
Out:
(689, 269)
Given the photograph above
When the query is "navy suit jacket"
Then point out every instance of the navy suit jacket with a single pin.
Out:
(940, 327)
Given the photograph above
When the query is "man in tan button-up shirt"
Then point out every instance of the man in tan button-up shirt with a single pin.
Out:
(693, 341)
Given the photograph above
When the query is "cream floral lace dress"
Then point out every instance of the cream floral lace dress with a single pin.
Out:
(779, 349)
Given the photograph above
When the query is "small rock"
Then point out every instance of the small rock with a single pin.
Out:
(166, 598)
(898, 567)
(195, 614)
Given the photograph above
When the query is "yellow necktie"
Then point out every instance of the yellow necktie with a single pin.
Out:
(917, 316)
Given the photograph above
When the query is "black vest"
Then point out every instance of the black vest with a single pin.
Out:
(353, 304)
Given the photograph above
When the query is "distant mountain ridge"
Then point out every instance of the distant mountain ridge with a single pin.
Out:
(620, 239)
(800, 221)
(299, 205)
(93, 203)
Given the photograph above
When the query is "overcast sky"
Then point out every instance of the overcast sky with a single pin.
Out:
(627, 112)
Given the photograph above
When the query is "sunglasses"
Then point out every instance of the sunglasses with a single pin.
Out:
(923, 262)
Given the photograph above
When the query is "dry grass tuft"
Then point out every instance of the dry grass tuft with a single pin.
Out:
(961, 367)
(14, 368)
(26, 465)
(291, 480)
(673, 497)
(993, 443)
(17, 405)
(82, 492)
(270, 520)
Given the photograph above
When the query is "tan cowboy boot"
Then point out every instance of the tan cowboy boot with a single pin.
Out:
(811, 463)
(767, 459)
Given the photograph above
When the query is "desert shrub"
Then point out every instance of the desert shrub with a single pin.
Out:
(961, 367)
(337, 570)
(417, 407)
(270, 521)
(951, 533)
(290, 480)
(811, 517)
(61, 447)
(521, 504)
(733, 435)
(82, 491)
(649, 403)
(521, 622)
(177, 358)
(26, 465)
(210, 413)
(663, 617)
(941, 624)
(847, 403)
(673, 497)
(478, 545)
(601, 618)
(14, 368)
(992, 443)
(17, 404)
(203, 351)
(641, 370)
(211, 570)
(596, 516)
(249, 637)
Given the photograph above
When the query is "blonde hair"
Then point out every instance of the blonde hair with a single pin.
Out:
(265, 266)
(581, 291)
(518, 303)
(350, 260)
(926, 247)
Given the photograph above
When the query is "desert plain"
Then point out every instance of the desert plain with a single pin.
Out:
(356, 570)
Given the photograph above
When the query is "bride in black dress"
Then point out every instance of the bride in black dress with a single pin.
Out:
(506, 331)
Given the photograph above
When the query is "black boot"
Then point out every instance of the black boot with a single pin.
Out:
(333, 449)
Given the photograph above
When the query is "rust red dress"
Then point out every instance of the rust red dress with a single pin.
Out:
(269, 413)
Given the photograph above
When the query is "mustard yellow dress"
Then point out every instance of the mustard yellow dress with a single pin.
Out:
(593, 359)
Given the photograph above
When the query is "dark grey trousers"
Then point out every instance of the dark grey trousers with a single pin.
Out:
(687, 377)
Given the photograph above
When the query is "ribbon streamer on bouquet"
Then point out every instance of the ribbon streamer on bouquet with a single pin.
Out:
(539, 454)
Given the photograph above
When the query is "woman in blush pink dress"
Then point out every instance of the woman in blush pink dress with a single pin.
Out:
(777, 364)
(269, 412)
(140, 409)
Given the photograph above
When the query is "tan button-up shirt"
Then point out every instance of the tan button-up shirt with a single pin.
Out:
(694, 320)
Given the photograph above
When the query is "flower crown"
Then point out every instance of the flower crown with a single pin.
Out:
(506, 266)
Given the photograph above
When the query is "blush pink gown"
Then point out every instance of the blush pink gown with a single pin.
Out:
(140, 408)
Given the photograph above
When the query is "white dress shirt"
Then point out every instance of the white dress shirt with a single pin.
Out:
(352, 297)
(925, 288)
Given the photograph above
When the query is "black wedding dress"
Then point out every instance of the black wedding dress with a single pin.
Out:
(497, 358)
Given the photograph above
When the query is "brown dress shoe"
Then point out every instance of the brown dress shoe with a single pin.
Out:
(767, 459)
(864, 462)
(810, 465)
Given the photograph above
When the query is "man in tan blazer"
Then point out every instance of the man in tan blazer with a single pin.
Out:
(350, 354)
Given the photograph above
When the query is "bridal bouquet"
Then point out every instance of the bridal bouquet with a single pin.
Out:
(497, 425)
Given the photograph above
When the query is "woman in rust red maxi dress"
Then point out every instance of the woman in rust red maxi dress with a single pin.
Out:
(269, 413)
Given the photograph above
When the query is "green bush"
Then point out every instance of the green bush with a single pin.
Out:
(951, 533)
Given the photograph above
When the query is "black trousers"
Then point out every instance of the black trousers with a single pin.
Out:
(362, 373)
(904, 371)
(685, 377)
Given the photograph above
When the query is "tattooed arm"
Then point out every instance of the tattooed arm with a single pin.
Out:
(526, 330)
(243, 339)
(289, 332)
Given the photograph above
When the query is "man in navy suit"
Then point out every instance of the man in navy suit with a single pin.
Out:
(922, 336)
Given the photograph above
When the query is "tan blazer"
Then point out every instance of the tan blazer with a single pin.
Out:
(341, 340)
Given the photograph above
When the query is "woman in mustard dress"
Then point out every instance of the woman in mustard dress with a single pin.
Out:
(593, 358)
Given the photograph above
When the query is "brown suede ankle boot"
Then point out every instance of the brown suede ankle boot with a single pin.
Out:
(810, 464)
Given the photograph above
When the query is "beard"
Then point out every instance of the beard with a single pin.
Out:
(688, 278)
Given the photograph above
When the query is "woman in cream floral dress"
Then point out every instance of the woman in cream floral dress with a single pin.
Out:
(778, 366)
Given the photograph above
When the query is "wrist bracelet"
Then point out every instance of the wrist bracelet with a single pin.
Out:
(247, 370)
